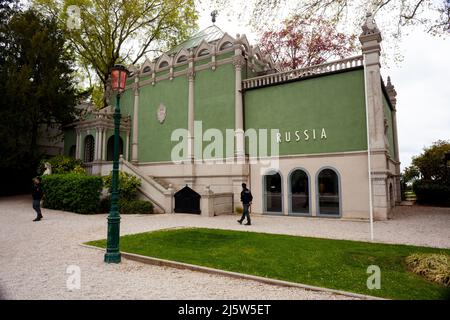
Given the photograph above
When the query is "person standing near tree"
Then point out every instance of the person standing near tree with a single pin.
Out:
(37, 194)
(246, 199)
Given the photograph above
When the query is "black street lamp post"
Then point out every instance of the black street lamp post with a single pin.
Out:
(118, 81)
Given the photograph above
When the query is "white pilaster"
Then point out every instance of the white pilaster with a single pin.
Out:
(100, 144)
(392, 93)
(78, 145)
(191, 111)
(127, 146)
(135, 145)
(239, 62)
(370, 40)
(97, 144)
(104, 144)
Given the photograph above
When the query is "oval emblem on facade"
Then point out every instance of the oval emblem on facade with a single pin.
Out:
(161, 113)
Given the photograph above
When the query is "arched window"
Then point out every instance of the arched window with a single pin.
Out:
(182, 59)
(163, 64)
(203, 53)
(72, 151)
(110, 148)
(89, 148)
(147, 69)
(226, 45)
(299, 192)
(273, 193)
(329, 193)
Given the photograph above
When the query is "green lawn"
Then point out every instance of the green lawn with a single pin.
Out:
(327, 263)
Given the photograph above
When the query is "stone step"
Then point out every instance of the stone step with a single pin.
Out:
(162, 182)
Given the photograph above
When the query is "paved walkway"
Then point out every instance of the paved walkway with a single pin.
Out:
(34, 256)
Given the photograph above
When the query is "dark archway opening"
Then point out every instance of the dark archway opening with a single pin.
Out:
(110, 148)
(187, 201)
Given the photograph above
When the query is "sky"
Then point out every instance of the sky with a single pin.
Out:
(421, 79)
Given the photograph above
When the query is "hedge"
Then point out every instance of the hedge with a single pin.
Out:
(72, 192)
(433, 193)
(135, 207)
(128, 206)
(128, 185)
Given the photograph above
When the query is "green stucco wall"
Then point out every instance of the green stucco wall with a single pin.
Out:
(155, 138)
(334, 102)
(214, 102)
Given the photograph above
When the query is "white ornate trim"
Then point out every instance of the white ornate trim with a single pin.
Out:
(163, 58)
(225, 39)
(182, 53)
(202, 47)
(147, 64)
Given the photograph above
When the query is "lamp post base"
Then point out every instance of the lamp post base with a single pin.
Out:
(112, 257)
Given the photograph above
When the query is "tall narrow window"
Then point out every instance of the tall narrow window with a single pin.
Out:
(89, 148)
(299, 193)
(328, 184)
(273, 192)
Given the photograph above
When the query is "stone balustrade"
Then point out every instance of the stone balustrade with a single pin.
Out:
(333, 66)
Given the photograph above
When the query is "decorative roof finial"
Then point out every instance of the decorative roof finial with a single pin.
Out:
(214, 15)
(370, 26)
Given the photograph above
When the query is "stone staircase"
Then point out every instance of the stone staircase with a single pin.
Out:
(160, 195)
(162, 182)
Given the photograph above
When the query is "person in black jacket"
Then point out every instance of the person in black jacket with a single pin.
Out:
(37, 194)
(246, 199)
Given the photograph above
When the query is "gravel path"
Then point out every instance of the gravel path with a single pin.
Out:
(34, 256)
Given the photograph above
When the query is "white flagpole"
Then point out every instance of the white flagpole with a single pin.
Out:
(369, 155)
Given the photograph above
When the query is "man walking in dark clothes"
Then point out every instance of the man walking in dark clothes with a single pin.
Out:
(246, 199)
(37, 194)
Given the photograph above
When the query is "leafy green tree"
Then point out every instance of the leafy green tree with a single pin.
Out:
(37, 89)
(410, 174)
(431, 162)
(118, 31)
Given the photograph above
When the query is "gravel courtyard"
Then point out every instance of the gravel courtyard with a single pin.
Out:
(34, 256)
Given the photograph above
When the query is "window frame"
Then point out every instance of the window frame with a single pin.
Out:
(290, 211)
(338, 175)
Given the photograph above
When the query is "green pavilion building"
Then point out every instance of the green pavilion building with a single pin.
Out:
(214, 113)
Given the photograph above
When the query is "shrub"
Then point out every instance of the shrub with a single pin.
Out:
(128, 206)
(430, 192)
(78, 170)
(434, 267)
(135, 207)
(239, 210)
(72, 192)
(60, 164)
(128, 185)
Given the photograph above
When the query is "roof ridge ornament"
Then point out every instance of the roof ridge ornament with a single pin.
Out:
(370, 26)
(214, 15)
